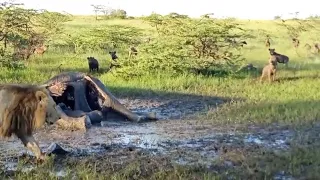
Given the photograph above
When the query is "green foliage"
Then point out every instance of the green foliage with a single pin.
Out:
(108, 12)
(296, 26)
(106, 38)
(176, 15)
(51, 22)
(118, 14)
(116, 36)
(7, 62)
(15, 23)
(22, 30)
(78, 43)
(188, 45)
(314, 17)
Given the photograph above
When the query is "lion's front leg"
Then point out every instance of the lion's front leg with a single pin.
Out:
(270, 77)
(274, 76)
(32, 145)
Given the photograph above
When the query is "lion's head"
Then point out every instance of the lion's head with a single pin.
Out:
(46, 108)
(25, 108)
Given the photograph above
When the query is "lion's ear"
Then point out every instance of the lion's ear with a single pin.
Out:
(41, 96)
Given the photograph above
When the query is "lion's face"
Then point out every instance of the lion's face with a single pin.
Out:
(46, 109)
(52, 114)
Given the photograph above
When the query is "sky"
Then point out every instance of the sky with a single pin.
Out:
(243, 9)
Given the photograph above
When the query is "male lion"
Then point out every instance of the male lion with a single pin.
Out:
(25, 108)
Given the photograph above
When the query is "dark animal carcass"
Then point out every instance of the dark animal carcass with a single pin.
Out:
(83, 98)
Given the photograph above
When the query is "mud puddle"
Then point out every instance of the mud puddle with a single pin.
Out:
(185, 141)
(172, 108)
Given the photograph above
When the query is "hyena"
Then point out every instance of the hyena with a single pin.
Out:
(93, 64)
(279, 57)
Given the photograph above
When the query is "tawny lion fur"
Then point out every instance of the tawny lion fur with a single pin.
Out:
(25, 108)
(270, 70)
(41, 50)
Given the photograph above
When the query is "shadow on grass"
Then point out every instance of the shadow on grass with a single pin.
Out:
(102, 70)
(296, 78)
(242, 74)
(293, 65)
(171, 105)
(129, 92)
(290, 113)
(257, 73)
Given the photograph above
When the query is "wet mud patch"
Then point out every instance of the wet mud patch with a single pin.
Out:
(183, 142)
(173, 107)
(190, 145)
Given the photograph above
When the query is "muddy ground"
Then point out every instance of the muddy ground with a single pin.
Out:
(176, 135)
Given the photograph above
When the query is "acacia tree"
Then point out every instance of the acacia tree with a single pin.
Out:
(116, 36)
(15, 22)
(21, 30)
(50, 23)
(98, 9)
(111, 37)
(118, 13)
(196, 44)
(295, 27)
(187, 45)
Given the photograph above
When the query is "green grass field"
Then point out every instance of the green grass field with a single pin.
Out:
(292, 102)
